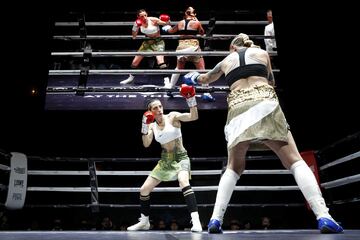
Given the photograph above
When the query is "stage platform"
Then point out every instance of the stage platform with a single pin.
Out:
(106, 93)
(180, 235)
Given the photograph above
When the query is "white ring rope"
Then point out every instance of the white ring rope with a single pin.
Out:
(341, 181)
(143, 37)
(147, 159)
(160, 189)
(134, 53)
(341, 160)
(4, 167)
(164, 205)
(145, 173)
(131, 23)
(128, 71)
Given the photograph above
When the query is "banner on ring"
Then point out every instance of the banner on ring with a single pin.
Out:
(18, 181)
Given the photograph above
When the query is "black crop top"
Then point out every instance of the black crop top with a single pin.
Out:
(187, 31)
(244, 71)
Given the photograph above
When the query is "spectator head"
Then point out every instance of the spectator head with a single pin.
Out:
(161, 225)
(106, 223)
(265, 223)
(234, 225)
(247, 224)
(269, 16)
(174, 225)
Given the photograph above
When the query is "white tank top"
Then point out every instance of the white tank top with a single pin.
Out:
(150, 29)
(168, 134)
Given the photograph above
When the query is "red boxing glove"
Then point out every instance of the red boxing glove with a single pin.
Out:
(164, 18)
(139, 22)
(148, 118)
(188, 92)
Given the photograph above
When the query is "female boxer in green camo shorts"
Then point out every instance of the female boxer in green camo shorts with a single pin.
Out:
(174, 163)
(150, 27)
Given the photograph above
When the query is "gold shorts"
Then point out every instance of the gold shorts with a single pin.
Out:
(189, 45)
(254, 115)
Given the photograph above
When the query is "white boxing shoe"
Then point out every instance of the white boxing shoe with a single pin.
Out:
(196, 224)
(167, 83)
(143, 224)
(130, 79)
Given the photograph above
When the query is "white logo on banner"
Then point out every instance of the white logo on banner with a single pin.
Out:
(18, 181)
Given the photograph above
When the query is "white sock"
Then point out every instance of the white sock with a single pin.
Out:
(174, 78)
(195, 215)
(308, 185)
(226, 187)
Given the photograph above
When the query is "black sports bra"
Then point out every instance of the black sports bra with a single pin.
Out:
(244, 71)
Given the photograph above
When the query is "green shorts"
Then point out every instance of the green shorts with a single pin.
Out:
(152, 45)
(169, 166)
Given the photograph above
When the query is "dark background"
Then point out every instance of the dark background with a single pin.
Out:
(319, 73)
(318, 77)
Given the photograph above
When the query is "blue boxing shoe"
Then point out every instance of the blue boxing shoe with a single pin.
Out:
(328, 225)
(207, 97)
(214, 226)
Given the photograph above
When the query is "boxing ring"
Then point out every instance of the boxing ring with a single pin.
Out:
(86, 88)
(41, 184)
(35, 177)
